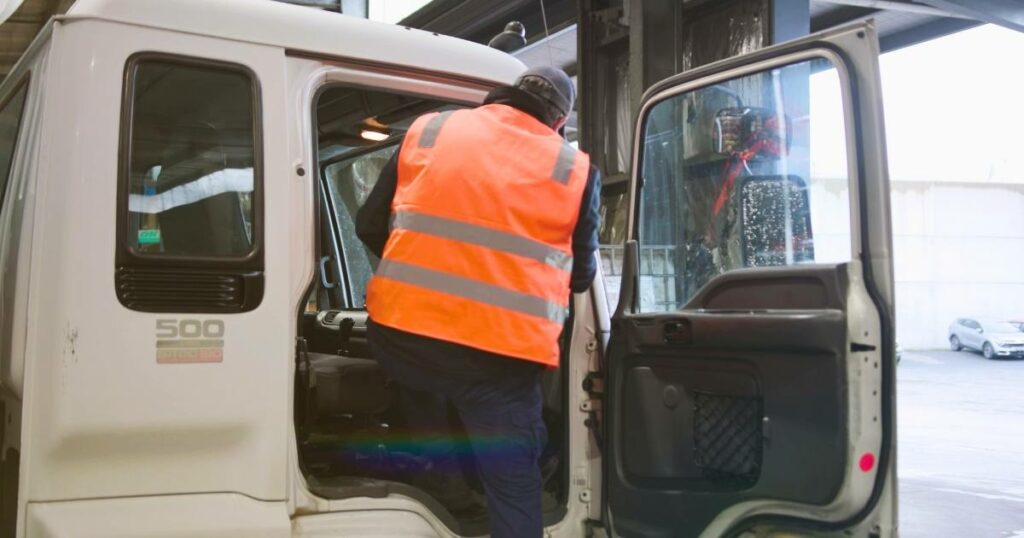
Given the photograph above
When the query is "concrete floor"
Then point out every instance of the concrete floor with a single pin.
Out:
(961, 445)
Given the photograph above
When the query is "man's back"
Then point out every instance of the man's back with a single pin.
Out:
(480, 250)
(500, 166)
(484, 221)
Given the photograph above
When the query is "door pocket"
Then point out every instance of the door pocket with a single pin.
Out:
(713, 439)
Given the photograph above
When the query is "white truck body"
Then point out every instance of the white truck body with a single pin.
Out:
(105, 440)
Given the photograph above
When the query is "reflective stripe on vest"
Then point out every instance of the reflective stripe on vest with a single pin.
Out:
(432, 129)
(480, 250)
(564, 164)
(484, 237)
(473, 290)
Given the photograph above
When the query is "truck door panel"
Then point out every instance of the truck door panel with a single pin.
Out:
(756, 401)
(749, 367)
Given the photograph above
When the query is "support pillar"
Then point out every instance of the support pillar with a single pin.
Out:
(626, 46)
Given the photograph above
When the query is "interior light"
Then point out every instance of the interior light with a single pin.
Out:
(374, 136)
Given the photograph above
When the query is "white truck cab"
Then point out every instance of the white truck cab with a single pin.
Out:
(182, 322)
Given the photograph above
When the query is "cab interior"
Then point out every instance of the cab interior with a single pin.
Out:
(352, 437)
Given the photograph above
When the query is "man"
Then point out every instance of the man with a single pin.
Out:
(484, 221)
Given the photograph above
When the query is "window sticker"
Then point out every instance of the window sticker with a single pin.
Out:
(149, 237)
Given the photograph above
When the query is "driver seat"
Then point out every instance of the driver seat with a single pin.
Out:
(337, 387)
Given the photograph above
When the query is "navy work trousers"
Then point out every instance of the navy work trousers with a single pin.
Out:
(502, 416)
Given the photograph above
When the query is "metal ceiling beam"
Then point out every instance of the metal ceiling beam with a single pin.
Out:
(1008, 13)
(894, 5)
(929, 28)
(791, 19)
(444, 16)
(558, 49)
(841, 15)
(924, 32)
(480, 20)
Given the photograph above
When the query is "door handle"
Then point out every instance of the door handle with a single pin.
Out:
(678, 332)
(323, 274)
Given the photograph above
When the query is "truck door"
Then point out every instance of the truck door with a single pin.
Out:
(749, 371)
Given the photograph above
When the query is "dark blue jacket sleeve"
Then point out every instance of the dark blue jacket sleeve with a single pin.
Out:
(373, 221)
(584, 238)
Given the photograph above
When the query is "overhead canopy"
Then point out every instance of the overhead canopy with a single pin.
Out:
(899, 23)
(22, 20)
(7, 8)
(1008, 13)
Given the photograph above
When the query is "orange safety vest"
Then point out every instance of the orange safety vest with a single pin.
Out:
(480, 250)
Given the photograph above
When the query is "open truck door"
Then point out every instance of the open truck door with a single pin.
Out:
(749, 371)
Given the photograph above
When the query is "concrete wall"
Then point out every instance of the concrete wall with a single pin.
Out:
(959, 252)
(958, 248)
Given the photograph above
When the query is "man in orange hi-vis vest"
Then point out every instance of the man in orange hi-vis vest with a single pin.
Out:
(484, 221)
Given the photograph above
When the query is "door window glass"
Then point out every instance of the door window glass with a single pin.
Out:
(10, 121)
(358, 131)
(750, 172)
(192, 161)
(350, 182)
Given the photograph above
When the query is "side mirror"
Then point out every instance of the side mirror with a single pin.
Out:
(775, 220)
(980, 330)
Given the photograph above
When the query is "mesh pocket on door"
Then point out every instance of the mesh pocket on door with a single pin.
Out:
(728, 438)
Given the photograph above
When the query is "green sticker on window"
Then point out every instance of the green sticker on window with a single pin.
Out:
(149, 237)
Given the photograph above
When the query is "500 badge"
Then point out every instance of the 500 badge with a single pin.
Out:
(189, 340)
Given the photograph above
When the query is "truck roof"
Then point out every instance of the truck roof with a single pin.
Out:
(309, 31)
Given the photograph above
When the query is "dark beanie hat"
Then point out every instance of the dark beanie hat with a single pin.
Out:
(551, 85)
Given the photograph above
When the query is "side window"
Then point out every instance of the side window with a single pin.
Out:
(10, 122)
(190, 186)
(358, 131)
(750, 172)
(350, 182)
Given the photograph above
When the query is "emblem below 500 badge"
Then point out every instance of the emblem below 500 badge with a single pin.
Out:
(189, 340)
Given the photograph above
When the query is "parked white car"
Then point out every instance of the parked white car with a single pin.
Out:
(992, 338)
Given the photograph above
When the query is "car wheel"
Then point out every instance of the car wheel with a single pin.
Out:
(954, 343)
(987, 351)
